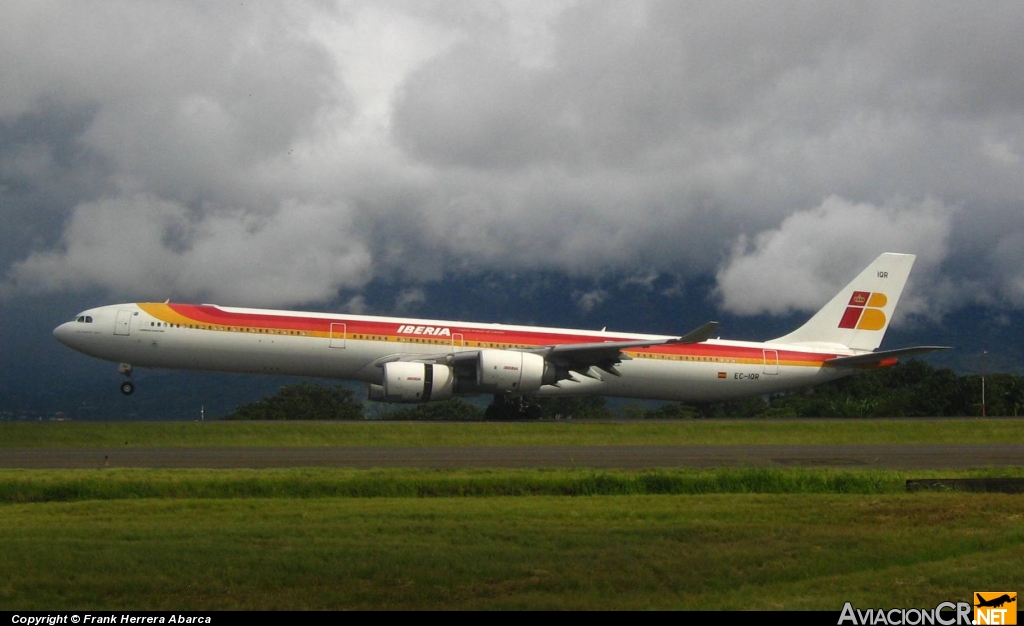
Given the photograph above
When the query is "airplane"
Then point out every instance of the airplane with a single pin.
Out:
(414, 360)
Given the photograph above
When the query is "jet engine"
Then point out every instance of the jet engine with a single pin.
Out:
(508, 371)
(414, 382)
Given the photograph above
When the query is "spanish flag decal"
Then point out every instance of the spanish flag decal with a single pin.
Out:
(864, 311)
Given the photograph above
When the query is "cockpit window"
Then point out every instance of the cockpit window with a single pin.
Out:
(84, 319)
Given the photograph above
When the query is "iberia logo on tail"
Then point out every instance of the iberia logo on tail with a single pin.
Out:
(864, 312)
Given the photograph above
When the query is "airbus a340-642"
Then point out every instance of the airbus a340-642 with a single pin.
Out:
(415, 360)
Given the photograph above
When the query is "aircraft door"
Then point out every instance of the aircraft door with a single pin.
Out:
(122, 325)
(338, 331)
(457, 341)
(771, 362)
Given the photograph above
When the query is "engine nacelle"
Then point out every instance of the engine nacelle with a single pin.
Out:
(508, 371)
(414, 382)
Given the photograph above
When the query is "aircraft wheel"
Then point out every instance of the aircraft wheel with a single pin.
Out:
(127, 387)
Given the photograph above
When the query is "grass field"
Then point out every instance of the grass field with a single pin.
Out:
(122, 539)
(42, 486)
(694, 432)
(750, 551)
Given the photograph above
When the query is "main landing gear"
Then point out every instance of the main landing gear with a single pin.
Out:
(507, 408)
(127, 387)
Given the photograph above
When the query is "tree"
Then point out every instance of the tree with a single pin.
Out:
(575, 407)
(448, 410)
(304, 401)
(671, 411)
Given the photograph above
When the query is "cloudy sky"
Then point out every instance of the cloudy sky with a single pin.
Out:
(301, 154)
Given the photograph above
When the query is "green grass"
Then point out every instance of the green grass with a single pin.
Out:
(405, 434)
(329, 538)
(743, 551)
(25, 486)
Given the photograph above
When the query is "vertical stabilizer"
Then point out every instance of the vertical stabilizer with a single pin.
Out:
(858, 316)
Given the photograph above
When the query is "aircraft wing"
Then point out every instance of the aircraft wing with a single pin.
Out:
(578, 357)
(872, 358)
(605, 354)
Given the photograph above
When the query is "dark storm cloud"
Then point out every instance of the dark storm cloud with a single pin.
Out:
(45, 170)
(290, 153)
(742, 116)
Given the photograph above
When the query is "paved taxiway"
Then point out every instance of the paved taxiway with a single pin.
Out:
(922, 456)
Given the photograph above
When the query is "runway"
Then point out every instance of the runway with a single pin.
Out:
(922, 456)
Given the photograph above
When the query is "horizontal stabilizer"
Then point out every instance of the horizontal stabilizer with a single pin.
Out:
(877, 357)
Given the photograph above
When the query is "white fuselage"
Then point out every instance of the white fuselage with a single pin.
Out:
(351, 347)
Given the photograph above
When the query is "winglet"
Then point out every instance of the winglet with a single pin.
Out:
(696, 336)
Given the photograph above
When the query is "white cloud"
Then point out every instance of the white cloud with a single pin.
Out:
(1000, 152)
(139, 246)
(812, 254)
(1008, 251)
(588, 300)
(408, 300)
(355, 305)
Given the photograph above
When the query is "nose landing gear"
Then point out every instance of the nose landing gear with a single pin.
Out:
(127, 387)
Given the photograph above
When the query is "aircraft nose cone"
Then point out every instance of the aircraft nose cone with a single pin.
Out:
(62, 333)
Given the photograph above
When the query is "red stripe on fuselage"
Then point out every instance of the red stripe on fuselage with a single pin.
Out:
(206, 314)
(470, 336)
